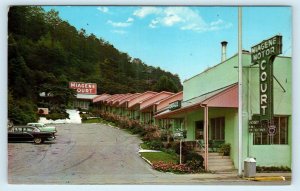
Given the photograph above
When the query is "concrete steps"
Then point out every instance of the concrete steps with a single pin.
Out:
(218, 163)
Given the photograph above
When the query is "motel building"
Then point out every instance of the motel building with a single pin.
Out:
(207, 109)
(138, 106)
(86, 93)
(209, 112)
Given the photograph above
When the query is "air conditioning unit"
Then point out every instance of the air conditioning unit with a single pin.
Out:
(44, 111)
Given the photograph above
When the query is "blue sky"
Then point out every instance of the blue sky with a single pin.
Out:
(183, 40)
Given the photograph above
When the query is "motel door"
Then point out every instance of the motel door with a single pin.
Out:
(199, 130)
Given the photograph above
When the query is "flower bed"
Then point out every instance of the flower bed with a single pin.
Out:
(171, 167)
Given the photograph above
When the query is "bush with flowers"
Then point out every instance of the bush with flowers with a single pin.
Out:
(171, 167)
(152, 137)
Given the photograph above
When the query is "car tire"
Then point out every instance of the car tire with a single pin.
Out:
(37, 140)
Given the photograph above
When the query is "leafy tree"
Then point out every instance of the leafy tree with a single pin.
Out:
(21, 111)
(57, 97)
(165, 84)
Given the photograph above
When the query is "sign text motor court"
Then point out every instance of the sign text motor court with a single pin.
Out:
(264, 49)
(84, 88)
(264, 54)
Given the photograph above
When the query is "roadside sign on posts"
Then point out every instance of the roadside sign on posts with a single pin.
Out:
(254, 122)
(178, 134)
(255, 126)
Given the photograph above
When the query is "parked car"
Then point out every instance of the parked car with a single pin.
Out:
(43, 127)
(29, 134)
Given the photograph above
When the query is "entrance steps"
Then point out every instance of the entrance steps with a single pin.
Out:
(219, 163)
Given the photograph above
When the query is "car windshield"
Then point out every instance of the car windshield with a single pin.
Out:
(37, 124)
(30, 129)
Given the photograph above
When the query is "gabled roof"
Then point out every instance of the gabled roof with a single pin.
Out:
(100, 98)
(117, 100)
(162, 104)
(153, 99)
(117, 96)
(140, 98)
(129, 98)
(110, 98)
(226, 97)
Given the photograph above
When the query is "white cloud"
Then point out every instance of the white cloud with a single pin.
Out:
(144, 11)
(103, 9)
(121, 24)
(170, 20)
(218, 22)
(119, 31)
(184, 18)
(130, 20)
(153, 23)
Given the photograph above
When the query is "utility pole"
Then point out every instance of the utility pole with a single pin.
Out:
(240, 110)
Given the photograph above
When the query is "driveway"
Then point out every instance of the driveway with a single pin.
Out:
(93, 154)
(82, 153)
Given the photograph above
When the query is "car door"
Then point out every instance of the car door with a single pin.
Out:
(28, 133)
(16, 134)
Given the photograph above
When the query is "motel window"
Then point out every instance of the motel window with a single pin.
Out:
(217, 128)
(280, 137)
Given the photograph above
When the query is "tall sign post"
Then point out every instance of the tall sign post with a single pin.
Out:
(240, 83)
(179, 134)
(264, 55)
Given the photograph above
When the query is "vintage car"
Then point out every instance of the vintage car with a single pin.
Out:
(43, 127)
(29, 134)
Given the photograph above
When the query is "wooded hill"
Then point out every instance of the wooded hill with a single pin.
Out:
(46, 52)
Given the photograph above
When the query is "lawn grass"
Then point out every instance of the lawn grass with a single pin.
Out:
(98, 120)
(93, 120)
(144, 146)
(159, 156)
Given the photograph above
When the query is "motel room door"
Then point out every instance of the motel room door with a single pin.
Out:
(199, 130)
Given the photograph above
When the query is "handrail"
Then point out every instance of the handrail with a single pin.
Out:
(200, 144)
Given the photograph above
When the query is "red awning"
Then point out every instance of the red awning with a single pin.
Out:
(226, 97)
(101, 97)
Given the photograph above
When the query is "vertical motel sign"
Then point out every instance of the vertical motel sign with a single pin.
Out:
(264, 55)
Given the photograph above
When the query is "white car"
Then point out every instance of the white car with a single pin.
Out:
(43, 127)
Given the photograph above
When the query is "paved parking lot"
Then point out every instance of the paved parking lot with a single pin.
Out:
(82, 153)
(94, 154)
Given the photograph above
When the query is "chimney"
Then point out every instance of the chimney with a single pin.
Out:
(223, 51)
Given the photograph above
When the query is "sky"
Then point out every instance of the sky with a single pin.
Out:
(184, 40)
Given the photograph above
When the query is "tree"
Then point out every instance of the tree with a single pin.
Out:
(57, 97)
(165, 84)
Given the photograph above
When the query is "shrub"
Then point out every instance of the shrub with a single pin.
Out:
(272, 169)
(171, 167)
(152, 132)
(191, 158)
(22, 112)
(55, 116)
(155, 144)
(191, 155)
(195, 165)
(164, 136)
(137, 130)
(84, 116)
(176, 148)
(225, 149)
(167, 145)
(194, 161)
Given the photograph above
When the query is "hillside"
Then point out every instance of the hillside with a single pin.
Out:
(45, 52)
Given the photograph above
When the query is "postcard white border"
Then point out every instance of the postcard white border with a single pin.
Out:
(4, 4)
